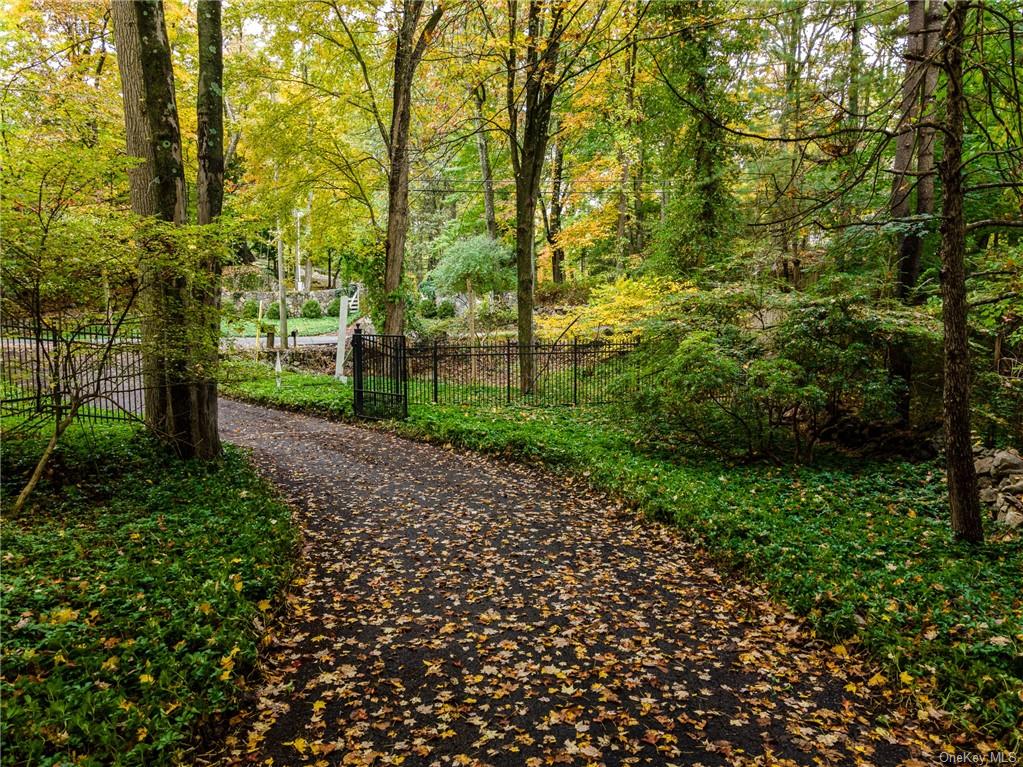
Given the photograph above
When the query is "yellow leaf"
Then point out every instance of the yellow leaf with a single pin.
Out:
(319, 706)
(299, 744)
(145, 679)
(840, 651)
(876, 681)
(205, 608)
(110, 663)
(263, 604)
(905, 678)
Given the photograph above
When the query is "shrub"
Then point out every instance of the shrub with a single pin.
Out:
(311, 310)
(250, 310)
(445, 309)
(428, 308)
(273, 311)
(571, 293)
(333, 308)
(493, 315)
(772, 392)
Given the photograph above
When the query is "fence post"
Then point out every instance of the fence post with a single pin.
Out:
(403, 376)
(575, 370)
(357, 370)
(507, 368)
(435, 362)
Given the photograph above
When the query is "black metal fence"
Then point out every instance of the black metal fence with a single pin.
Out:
(569, 372)
(389, 372)
(47, 371)
(380, 380)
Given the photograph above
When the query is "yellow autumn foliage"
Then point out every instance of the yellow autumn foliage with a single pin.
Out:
(617, 307)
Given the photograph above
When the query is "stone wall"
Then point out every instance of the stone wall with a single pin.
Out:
(295, 300)
(1000, 478)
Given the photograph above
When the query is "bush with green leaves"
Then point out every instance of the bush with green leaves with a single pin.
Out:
(311, 310)
(273, 311)
(445, 309)
(428, 308)
(333, 308)
(250, 310)
(771, 391)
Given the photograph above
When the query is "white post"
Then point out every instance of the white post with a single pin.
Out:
(259, 322)
(277, 369)
(342, 331)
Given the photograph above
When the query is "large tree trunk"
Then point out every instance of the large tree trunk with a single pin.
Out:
(142, 190)
(210, 183)
(484, 153)
(408, 53)
(171, 307)
(962, 479)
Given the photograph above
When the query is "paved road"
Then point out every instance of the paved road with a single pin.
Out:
(462, 611)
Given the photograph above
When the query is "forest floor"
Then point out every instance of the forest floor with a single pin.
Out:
(462, 610)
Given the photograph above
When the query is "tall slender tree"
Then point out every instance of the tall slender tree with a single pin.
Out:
(210, 192)
(962, 478)
(409, 50)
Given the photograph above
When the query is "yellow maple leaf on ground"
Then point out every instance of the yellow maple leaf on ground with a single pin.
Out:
(877, 680)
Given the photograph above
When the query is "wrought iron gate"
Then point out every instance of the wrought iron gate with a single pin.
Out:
(380, 375)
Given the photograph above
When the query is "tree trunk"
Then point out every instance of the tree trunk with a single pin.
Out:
(962, 479)
(142, 190)
(129, 64)
(905, 148)
(484, 153)
(907, 144)
(528, 148)
(161, 114)
(557, 205)
(210, 192)
(525, 213)
(408, 53)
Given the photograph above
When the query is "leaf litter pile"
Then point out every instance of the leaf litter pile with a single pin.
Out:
(458, 610)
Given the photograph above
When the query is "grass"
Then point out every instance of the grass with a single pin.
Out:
(247, 328)
(134, 590)
(862, 550)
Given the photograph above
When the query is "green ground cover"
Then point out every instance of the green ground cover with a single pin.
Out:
(135, 586)
(862, 549)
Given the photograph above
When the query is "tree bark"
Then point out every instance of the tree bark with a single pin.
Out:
(485, 171)
(408, 53)
(142, 191)
(557, 205)
(210, 192)
(962, 478)
(905, 148)
(917, 95)
(129, 63)
(528, 147)
(170, 310)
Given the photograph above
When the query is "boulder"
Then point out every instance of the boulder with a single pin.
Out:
(1012, 519)
(988, 495)
(1012, 486)
(983, 465)
(1005, 462)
